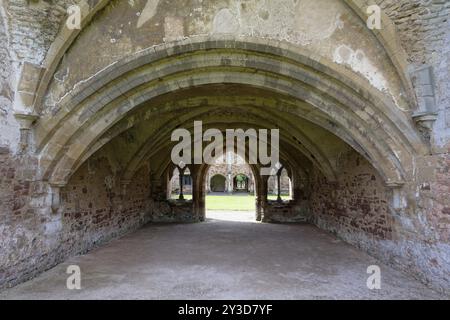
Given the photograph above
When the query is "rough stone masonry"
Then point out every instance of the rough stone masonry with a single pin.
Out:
(86, 116)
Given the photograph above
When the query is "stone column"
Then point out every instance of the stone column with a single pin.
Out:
(198, 192)
(261, 197)
(279, 185)
(181, 176)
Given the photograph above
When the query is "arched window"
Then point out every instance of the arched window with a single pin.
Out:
(181, 183)
(241, 183)
(279, 186)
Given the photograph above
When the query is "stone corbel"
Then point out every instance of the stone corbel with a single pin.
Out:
(426, 114)
(55, 198)
(25, 122)
(398, 197)
(424, 122)
(124, 186)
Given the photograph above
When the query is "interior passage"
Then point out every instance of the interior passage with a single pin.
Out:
(224, 260)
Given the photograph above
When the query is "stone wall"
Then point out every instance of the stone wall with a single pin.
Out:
(97, 208)
(297, 211)
(94, 210)
(174, 211)
(34, 26)
(410, 236)
(22, 225)
(9, 132)
(357, 202)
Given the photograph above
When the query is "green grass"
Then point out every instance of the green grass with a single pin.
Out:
(235, 203)
(186, 197)
(230, 202)
(274, 197)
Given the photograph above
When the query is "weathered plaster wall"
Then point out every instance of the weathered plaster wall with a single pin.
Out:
(9, 135)
(124, 28)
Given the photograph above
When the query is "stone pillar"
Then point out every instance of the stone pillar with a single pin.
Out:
(229, 184)
(198, 192)
(261, 197)
(208, 182)
(291, 191)
(181, 177)
(279, 185)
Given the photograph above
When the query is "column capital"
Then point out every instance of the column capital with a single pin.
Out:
(25, 120)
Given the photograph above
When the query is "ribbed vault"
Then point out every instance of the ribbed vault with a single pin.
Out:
(252, 84)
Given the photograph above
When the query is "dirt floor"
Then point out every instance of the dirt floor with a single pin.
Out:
(227, 257)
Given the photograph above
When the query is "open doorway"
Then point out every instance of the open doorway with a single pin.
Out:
(230, 191)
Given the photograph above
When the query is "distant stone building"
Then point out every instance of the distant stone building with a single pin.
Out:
(235, 177)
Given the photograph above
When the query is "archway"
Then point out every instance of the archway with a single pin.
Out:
(97, 137)
(235, 202)
(325, 114)
(241, 183)
(180, 186)
(218, 183)
(330, 105)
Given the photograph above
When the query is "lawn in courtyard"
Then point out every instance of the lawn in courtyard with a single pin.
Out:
(231, 202)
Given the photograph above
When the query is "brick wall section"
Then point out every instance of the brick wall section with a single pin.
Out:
(356, 203)
(23, 222)
(434, 200)
(424, 29)
(94, 211)
(173, 211)
(287, 212)
(358, 210)
(443, 190)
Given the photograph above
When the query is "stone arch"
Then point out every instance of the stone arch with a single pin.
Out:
(199, 194)
(218, 182)
(382, 134)
(241, 182)
(152, 147)
(387, 37)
